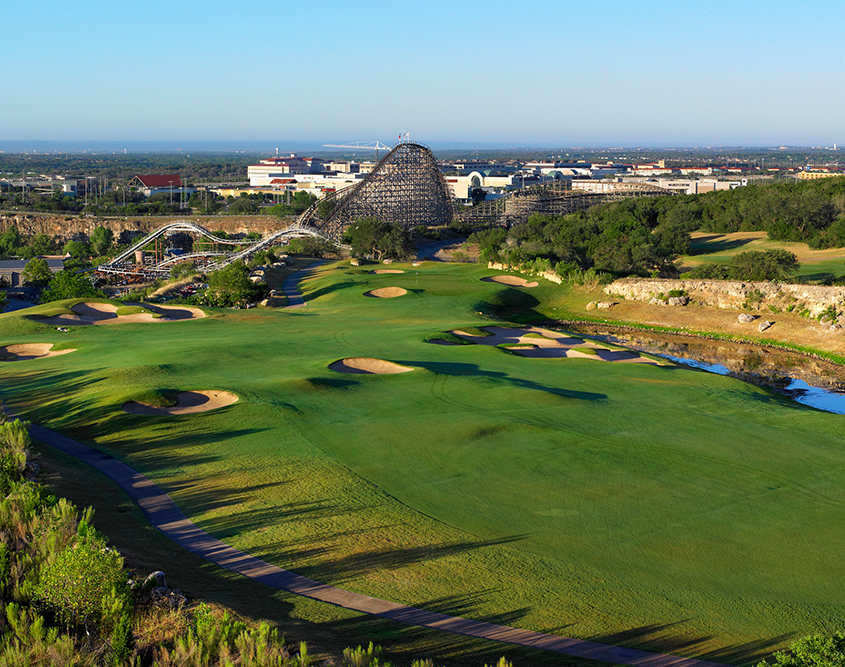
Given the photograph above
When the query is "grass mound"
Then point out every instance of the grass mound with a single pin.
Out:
(157, 398)
(320, 384)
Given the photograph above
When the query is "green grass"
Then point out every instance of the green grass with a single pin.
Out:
(651, 506)
(816, 265)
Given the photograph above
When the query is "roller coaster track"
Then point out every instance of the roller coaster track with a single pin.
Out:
(516, 206)
(119, 265)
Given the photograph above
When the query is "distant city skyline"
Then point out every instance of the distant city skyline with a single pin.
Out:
(490, 75)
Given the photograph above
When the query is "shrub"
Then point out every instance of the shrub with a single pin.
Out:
(79, 583)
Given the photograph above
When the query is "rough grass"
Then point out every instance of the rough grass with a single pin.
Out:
(619, 502)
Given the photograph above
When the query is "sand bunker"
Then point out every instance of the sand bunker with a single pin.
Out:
(367, 366)
(187, 403)
(510, 280)
(386, 292)
(388, 271)
(25, 351)
(547, 344)
(106, 313)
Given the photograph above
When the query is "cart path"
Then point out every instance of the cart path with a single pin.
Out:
(163, 513)
(291, 285)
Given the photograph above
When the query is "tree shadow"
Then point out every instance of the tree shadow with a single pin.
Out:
(354, 566)
(670, 638)
(706, 245)
(464, 369)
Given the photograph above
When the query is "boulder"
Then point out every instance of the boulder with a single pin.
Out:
(169, 598)
(355, 261)
(654, 301)
(604, 305)
(765, 324)
(677, 301)
(745, 318)
(264, 302)
(591, 305)
(387, 261)
(158, 577)
(834, 328)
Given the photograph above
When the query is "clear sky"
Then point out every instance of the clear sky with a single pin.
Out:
(554, 73)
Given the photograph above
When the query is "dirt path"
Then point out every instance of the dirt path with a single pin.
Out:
(163, 513)
(291, 285)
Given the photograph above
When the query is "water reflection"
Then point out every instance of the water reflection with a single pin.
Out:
(807, 380)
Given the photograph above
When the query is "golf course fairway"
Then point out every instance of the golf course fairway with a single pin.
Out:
(621, 502)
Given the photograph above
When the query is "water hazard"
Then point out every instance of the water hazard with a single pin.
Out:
(814, 382)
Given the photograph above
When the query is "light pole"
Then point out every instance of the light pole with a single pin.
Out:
(171, 192)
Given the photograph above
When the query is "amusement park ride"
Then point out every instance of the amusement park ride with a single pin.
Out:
(405, 188)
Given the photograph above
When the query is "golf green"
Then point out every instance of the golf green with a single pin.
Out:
(647, 505)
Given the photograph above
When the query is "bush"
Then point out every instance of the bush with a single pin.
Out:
(77, 586)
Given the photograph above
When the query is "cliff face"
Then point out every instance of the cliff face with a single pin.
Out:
(735, 294)
(68, 227)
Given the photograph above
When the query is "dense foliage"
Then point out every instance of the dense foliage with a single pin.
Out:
(371, 237)
(770, 265)
(231, 287)
(628, 237)
(70, 285)
(812, 651)
(811, 212)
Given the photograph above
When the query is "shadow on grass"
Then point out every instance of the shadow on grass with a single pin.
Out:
(334, 287)
(705, 245)
(69, 411)
(669, 638)
(353, 566)
(458, 369)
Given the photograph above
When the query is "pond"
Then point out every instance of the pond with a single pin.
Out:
(814, 382)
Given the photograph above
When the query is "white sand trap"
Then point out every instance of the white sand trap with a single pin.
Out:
(106, 313)
(26, 351)
(388, 271)
(386, 292)
(552, 345)
(368, 366)
(187, 403)
(511, 280)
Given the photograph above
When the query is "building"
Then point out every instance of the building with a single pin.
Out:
(263, 173)
(150, 184)
(11, 269)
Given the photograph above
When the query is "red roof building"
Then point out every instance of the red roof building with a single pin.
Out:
(156, 181)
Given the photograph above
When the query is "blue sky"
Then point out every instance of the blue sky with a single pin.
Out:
(520, 74)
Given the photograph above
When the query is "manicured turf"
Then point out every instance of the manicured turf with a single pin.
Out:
(653, 506)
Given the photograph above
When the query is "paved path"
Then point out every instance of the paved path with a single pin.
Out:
(291, 285)
(164, 514)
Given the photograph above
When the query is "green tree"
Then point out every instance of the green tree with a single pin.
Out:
(37, 272)
(80, 254)
(768, 265)
(375, 238)
(812, 651)
(231, 286)
(42, 245)
(83, 582)
(69, 285)
(101, 240)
